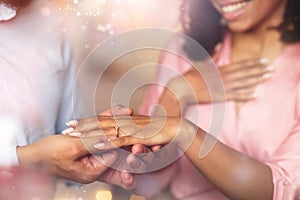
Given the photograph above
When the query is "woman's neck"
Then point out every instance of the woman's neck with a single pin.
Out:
(256, 44)
(261, 41)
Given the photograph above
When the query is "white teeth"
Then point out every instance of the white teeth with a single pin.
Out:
(234, 7)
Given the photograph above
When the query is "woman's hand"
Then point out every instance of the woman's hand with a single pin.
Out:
(128, 130)
(240, 80)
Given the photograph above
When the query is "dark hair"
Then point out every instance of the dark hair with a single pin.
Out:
(16, 3)
(204, 24)
(290, 27)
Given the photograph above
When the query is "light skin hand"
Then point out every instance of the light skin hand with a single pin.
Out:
(121, 178)
(65, 156)
(138, 161)
(68, 157)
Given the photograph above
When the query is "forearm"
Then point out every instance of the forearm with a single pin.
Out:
(233, 173)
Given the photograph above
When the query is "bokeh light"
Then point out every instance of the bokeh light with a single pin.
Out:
(103, 195)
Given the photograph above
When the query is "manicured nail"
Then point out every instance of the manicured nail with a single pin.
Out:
(99, 146)
(254, 95)
(72, 123)
(111, 138)
(267, 76)
(263, 60)
(75, 134)
(68, 130)
(109, 156)
(270, 68)
(133, 161)
(124, 109)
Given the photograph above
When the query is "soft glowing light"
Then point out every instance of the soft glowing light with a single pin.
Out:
(104, 195)
(45, 11)
(138, 1)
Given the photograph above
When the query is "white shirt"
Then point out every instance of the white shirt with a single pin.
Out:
(36, 76)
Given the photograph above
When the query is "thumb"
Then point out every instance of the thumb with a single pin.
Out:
(108, 158)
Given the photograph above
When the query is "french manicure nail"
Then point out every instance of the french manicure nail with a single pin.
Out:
(99, 146)
(267, 76)
(263, 60)
(254, 95)
(111, 138)
(270, 68)
(75, 134)
(124, 109)
(68, 130)
(109, 156)
(72, 123)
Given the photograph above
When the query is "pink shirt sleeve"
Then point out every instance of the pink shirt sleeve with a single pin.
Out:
(285, 163)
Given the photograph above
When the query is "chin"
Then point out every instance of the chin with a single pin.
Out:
(239, 27)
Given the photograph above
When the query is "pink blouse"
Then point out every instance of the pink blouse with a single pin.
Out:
(267, 128)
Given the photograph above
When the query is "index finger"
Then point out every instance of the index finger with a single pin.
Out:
(117, 110)
(244, 64)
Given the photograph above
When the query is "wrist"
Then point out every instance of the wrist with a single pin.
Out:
(186, 135)
(28, 155)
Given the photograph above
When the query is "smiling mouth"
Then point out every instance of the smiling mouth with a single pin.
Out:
(233, 7)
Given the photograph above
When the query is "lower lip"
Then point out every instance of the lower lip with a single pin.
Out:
(230, 16)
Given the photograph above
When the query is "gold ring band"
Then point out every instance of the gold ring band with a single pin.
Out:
(117, 131)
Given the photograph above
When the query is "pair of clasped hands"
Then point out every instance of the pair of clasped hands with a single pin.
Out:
(141, 144)
(134, 143)
(115, 145)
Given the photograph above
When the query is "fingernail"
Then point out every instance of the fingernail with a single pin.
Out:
(125, 109)
(267, 76)
(126, 175)
(131, 159)
(263, 60)
(270, 68)
(116, 105)
(75, 134)
(140, 149)
(111, 138)
(254, 95)
(99, 146)
(68, 130)
(72, 123)
(109, 156)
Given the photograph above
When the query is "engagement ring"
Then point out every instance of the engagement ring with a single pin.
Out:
(117, 131)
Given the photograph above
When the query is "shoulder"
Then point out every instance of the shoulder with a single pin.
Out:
(44, 9)
(291, 52)
(289, 60)
(173, 55)
(39, 17)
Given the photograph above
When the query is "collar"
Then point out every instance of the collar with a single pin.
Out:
(6, 12)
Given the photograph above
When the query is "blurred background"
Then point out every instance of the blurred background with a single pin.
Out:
(90, 22)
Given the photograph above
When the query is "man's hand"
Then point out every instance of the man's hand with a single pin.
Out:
(65, 156)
